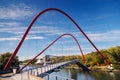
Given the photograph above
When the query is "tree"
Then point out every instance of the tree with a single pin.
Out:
(4, 58)
(115, 53)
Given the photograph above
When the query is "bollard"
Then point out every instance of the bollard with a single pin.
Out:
(45, 68)
(48, 77)
(28, 71)
(31, 72)
(28, 75)
(21, 76)
(34, 73)
(37, 71)
(56, 77)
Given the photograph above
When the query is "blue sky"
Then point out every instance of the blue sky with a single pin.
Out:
(100, 20)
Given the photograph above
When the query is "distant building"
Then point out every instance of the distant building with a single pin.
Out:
(39, 63)
(44, 61)
(48, 57)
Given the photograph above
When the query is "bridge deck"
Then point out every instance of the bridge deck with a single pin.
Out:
(50, 68)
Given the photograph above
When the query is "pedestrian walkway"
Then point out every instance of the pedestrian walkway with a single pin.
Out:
(12, 76)
(6, 76)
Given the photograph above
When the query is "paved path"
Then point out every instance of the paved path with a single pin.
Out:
(25, 76)
(6, 76)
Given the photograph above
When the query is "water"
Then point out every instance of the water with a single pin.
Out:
(76, 74)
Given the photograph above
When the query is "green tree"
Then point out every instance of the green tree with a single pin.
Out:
(115, 53)
(4, 58)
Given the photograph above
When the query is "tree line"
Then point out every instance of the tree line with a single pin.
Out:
(94, 59)
(112, 55)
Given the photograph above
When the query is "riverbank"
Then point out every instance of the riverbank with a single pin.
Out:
(95, 68)
(103, 68)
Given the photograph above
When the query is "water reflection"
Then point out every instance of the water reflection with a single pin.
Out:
(80, 75)
(112, 75)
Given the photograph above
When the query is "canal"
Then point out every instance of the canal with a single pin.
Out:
(75, 74)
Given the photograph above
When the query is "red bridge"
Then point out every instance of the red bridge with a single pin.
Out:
(29, 27)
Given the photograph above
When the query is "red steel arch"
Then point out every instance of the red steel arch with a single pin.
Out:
(51, 45)
(29, 27)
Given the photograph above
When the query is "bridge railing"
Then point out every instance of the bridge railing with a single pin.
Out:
(43, 69)
(25, 75)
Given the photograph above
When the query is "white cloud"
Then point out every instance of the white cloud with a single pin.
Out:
(48, 30)
(112, 35)
(9, 24)
(30, 37)
(12, 27)
(106, 36)
(15, 11)
(17, 28)
(9, 39)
